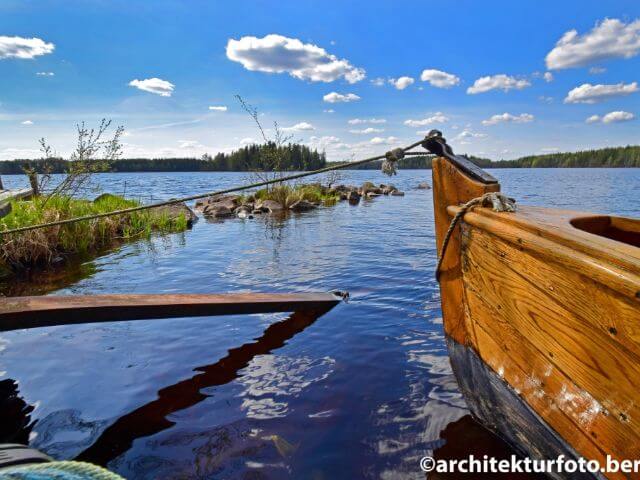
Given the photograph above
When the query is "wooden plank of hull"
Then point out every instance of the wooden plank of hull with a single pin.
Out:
(453, 187)
(499, 407)
(586, 374)
(32, 312)
(554, 312)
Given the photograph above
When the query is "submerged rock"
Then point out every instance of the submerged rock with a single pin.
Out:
(423, 186)
(397, 193)
(302, 206)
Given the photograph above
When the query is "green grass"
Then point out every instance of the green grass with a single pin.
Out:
(41, 247)
(287, 195)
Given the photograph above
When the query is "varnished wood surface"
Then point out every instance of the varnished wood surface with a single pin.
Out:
(452, 187)
(554, 311)
(7, 195)
(32, 312)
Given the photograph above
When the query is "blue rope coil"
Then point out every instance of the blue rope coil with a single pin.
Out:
(65, 470)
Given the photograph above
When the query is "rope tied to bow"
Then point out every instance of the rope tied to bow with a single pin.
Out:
(390, 159)
(496, 200)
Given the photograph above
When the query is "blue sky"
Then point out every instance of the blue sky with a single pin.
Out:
(501, 79)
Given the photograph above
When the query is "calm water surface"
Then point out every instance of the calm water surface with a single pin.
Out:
(362, 392)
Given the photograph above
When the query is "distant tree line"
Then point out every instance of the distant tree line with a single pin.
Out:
(628, 156)
(300, 157)
(616, 157)
(250, 158)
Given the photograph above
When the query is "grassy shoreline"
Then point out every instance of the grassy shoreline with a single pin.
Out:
(45, 247)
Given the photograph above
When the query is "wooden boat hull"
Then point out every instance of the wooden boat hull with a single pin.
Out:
(542, 312)
(498, 407)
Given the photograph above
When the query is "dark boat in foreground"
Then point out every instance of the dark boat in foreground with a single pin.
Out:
(541, 310)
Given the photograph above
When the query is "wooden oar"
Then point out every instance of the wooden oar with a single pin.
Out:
(46, 311)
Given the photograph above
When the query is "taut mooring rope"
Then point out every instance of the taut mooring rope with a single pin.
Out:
(124, 211)
(497, 200)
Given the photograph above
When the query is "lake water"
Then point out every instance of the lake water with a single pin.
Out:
(363, 392)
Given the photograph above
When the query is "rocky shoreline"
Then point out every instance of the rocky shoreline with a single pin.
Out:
(226, 206)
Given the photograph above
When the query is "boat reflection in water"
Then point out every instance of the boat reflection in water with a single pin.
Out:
(152, 417)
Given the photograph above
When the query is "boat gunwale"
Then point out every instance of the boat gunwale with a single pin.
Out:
(582, 252)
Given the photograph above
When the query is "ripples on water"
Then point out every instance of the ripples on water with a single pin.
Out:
(364, 391)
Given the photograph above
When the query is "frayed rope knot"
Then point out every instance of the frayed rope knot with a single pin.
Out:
(390, 159)
(496, 200)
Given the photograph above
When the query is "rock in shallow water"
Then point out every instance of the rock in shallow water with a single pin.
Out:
(302, 206)
(228, 201)
(353, 197)
(173, 211)
(423, 186)
(217, 210)
(270, 205)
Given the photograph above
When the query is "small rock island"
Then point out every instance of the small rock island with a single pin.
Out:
(282, 199)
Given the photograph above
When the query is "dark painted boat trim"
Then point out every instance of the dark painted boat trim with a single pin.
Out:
(499, 408)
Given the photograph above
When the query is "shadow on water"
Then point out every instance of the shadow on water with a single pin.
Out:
(466, 437)
(15, 414)
(151, 418)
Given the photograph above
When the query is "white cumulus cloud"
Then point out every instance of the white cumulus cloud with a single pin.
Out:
(497, 82)
(610, 38)
(27, 122)
(367, 130)
(597, 70)
(587, 93)
(24, 48)
(335, 97)
(548, 77)
(45, 74)
(438, 78)
(279, 54)
(402, 82)
(154, 85)
(611, 117)
(378, 81)
(439, 117)
(507, 117)
(469, 134)
(218, 108)
(248, 141)
(190, 144)
(359, 121)
(383, 141)
(299, 127)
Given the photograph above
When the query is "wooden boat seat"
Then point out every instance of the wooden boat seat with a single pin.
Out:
(625, 230)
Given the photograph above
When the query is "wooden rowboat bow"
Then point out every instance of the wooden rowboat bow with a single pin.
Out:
(541, 311)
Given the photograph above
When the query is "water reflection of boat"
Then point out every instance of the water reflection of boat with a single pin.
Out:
(151, 418)
(541, 310)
